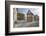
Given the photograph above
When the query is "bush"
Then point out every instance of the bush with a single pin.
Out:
(15, 22)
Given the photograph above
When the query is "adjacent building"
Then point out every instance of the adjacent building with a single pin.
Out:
(31, 17)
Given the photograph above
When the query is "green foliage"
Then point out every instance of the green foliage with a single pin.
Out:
(20, 16)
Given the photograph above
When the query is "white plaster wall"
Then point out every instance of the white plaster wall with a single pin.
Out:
(15, 15)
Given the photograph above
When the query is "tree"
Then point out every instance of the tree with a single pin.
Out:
(20, 16)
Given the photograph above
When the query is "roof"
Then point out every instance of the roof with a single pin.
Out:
(36, 15)
(29, 12)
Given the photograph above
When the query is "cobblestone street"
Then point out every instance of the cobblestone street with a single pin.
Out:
(27, 24)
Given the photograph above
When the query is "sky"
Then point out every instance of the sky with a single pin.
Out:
(35, 11)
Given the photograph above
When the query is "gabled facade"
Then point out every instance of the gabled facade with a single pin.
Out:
(29, 16)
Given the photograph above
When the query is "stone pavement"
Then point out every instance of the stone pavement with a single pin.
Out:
(27, 24)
